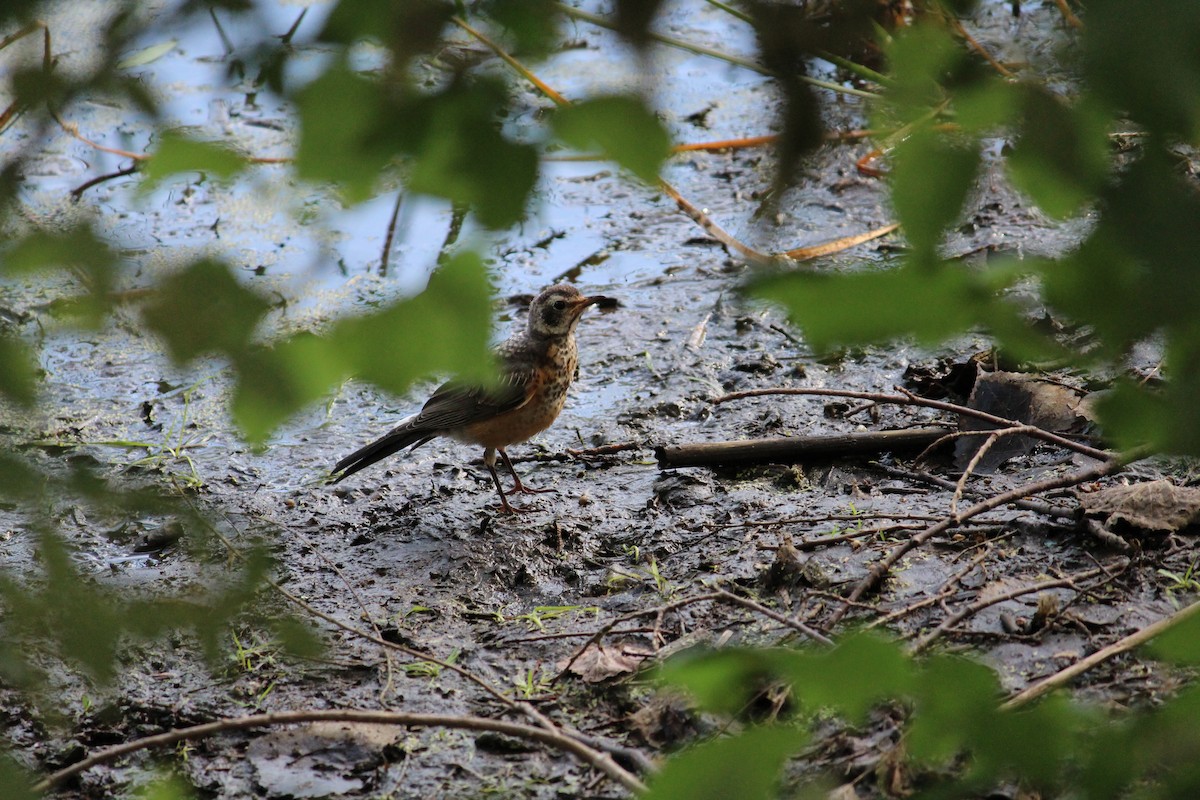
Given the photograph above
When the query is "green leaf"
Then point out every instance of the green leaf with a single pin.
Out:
(1146, 63)
(15, 780)
(166, 787)
(147, 55)
(297, 638)
(353, 130)
(953, 697)
(861, 308)
(275, 382)
(634, 18)
(19, 481)
(1101, 284)
(406, 28)
(921, 57)
(986, 105)
(721, 681)
(178, 153)
(204, 309)
(459, 152)
(1151, 212)
(18, 371)
(1031, 743)
(930, 180)
(851, 678)
(622, 127)
(443, 329)
(533, 23)
(1061, 158)
(745, 766)
(77, 249)
(339, 114)
(449, 320)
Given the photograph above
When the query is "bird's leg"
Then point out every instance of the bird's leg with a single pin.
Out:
(489, 459)
(519, 487)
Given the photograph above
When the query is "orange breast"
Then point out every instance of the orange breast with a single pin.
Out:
(548, 392)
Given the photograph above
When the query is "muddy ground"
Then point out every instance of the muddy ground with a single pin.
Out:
(411, 549)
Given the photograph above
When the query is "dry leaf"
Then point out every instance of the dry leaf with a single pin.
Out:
(1151, 506)
(1019, 397)
(599, 663)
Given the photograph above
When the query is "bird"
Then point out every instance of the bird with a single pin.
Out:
(536, 363)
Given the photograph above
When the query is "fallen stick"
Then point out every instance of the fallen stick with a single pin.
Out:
(1065, 676)
(795, 448)
(601, 761)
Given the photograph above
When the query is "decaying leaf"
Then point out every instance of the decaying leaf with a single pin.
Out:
(666, 720)
(319, 759)
(1020, 397)
(1152, 506)
(599, 663)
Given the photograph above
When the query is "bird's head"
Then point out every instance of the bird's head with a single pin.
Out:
(556, 311)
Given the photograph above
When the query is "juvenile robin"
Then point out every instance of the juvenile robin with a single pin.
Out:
(536, 366)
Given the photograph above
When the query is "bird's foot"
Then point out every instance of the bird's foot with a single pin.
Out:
(508, 508)
(520, 488)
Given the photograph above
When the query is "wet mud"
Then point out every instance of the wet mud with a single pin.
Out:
(411, 551)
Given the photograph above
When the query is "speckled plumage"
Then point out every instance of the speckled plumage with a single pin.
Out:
(537, 365)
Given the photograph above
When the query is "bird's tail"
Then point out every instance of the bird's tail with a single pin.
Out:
(400, 437)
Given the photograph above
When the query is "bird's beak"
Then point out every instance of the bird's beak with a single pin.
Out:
(598, 300)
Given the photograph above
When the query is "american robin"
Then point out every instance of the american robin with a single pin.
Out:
(536, 365)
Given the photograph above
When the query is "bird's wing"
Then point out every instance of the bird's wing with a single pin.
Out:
(456, 403)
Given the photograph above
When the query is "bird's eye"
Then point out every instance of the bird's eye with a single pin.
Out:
(560, 304)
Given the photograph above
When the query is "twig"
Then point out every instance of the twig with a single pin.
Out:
(387, 653)
(1068, 15)
(884, 566)
(810, 252)
(759, 608)
(557, 98)
(1036, 506)
(657, 611)
(386, 255)
(906, 398)
(1126, 644)
(925, 641)
(710, 52)
(948, 588)
(409, 651)
(78, 191)
(979, 48)
(714, 230)
(983, 450)
(584, 753)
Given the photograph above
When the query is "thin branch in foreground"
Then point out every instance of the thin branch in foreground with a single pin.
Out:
(1126, 644)
(594, 758)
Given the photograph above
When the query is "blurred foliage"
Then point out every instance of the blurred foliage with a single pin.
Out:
(956, 741)
(1132, 279)
(443, 132)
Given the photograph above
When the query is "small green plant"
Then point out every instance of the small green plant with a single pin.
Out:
(414, 616)
(537, 618)
(533, 682)
(664, 587)
(1180, 584)
(429, 669)
(253, 654)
